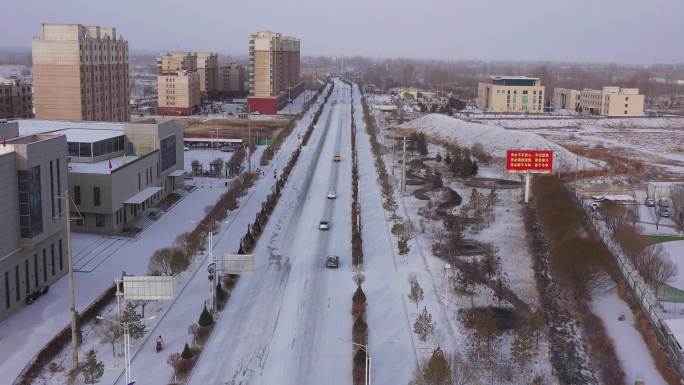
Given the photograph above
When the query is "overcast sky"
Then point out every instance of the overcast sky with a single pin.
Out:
(628, 31)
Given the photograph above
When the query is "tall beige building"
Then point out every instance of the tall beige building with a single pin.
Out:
(515, 94)
(208, 69)
(232, 80)
(274, 71)
(178, 84)
(80, 73)
(612, 101)
(16, 100)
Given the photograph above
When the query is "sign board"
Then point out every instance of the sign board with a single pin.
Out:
(236, 263)
(147, 287)
(535, 161)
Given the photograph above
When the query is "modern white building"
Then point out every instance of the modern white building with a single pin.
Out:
(513, 94)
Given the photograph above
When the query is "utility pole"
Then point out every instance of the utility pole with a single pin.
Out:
(212, 286)
(393, 158)
(72, 295)
(403, 167)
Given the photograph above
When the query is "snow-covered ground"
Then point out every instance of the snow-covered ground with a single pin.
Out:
(630, 347)
(204, 156)
(290, 322)
(559, 122)
(496, 140)
(24, 333)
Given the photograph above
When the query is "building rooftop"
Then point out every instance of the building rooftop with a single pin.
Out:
(101, 167)
(503, 77)
(34, 126)
(83, 135)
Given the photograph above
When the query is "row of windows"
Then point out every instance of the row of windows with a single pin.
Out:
(15, 283)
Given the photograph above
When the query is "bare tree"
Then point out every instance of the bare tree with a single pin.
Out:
(109, 332)
(677, 199)
(614, 214)
(461, 372)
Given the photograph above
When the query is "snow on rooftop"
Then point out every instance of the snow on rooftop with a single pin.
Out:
(504, 77)
(101, 167)
(90, 136)
(494, 139)
(33, 126)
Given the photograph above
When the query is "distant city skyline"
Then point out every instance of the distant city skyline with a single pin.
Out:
(620, 31)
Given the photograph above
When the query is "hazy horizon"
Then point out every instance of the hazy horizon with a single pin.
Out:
(587, 31)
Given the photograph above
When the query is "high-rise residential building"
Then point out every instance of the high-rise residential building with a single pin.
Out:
(208, 69)
(611, 101)
(274, 66)
(232, 80)
(16, 100)
(178, 84)
(566, 99)
(80, 73)
(33, 169)
(515, 94)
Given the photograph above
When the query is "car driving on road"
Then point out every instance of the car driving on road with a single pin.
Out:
(332, 261)
(323, 225)
(337, 158)
(332, 195)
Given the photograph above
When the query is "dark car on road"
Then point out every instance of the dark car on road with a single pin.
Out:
(332, 261)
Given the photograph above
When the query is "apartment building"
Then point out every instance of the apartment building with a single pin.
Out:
(33, 169)
(612, 102)
(274, 71)
(116, 170)
(566, 99)
(511, 94)
(16, 99)
(232, 80)
(208, 69)
(178, 84)
(177, 61)
(80, 73)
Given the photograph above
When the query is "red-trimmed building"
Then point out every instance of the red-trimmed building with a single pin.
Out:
(274, 78)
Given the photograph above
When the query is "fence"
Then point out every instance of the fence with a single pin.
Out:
(640, 289)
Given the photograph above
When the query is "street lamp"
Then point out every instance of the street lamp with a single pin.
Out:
(127, 341)
(368, 360)
(249, 136)
(211, 267)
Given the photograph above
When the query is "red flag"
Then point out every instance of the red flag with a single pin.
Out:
(4, 142)
(110, 164)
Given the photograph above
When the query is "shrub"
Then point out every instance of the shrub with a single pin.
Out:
(205, 319)
(187, 353)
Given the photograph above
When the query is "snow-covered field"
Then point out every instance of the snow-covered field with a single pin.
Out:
(560, 122)
(496, 140)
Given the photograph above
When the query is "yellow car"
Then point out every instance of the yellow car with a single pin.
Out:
(337, 158)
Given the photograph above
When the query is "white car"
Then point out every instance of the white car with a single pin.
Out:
(331, 195)
(186, 148)
(323, 225)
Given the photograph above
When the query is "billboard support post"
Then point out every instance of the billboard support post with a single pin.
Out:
(528, 182)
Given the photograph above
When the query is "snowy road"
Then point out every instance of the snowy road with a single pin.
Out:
(290, 322)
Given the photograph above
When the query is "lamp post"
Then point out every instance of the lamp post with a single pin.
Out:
(211, 266)
(127, 342)
(249, 137)
(368, 361)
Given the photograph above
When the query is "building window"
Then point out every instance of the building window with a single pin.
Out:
(16, 283)
(99, 220)
(59, 189)
(96, 196)
(61, 256)
(30, 205)
(52, 190)
(44, 266)
(52, 257)
(77, 195)
(26, 274)
(35, 269)
(7, 294)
